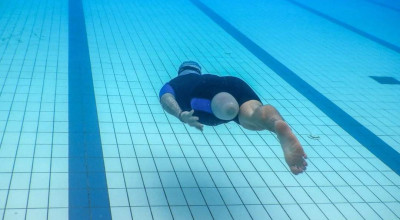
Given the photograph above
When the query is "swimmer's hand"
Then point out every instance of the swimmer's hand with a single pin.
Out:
(187, 117)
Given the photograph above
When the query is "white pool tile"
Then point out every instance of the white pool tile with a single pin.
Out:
(158, 168)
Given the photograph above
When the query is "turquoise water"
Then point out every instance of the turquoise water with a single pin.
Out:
(151, 166)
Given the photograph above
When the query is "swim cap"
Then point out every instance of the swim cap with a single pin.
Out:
(188, 67)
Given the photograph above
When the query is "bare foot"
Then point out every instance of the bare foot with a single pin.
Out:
(292, 149)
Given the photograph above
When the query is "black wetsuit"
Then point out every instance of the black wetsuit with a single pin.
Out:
(206, 86)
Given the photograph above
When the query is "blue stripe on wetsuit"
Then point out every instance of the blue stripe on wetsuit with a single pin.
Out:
(167, 88)
(197, 104)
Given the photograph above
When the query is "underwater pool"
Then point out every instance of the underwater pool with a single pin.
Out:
(83, 134)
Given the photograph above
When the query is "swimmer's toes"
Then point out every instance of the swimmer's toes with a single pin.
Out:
(295, 170)
(298, 168)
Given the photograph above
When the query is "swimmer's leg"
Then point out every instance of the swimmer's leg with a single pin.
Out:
(255, 116)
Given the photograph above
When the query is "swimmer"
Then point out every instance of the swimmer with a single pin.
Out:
(205, 99)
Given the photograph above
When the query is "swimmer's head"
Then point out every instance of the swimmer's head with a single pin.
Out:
(188, 67)
(224, 106)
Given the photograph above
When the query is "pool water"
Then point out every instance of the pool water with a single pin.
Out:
(83, 134)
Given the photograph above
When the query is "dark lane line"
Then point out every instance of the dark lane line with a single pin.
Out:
(88, 193)
(364, 136)
(349, 27)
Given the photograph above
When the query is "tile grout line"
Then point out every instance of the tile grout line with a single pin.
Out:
(360, 32)
(364, 136)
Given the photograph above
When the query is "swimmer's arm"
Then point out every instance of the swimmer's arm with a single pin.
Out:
(168, 101)
(170, 105)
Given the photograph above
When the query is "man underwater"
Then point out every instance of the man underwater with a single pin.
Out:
(197, 99)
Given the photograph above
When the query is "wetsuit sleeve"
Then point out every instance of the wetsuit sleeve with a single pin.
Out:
(200, 104)
(167, 88)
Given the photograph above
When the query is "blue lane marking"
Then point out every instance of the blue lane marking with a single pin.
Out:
(368, 139)
(386, 80)
(88, 193)
(384, 5)
(349, 27)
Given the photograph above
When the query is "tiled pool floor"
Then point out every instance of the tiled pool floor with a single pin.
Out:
(158, 168)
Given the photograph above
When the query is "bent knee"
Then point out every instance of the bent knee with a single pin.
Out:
(264, 112)
(248, 108)
(247, 113)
